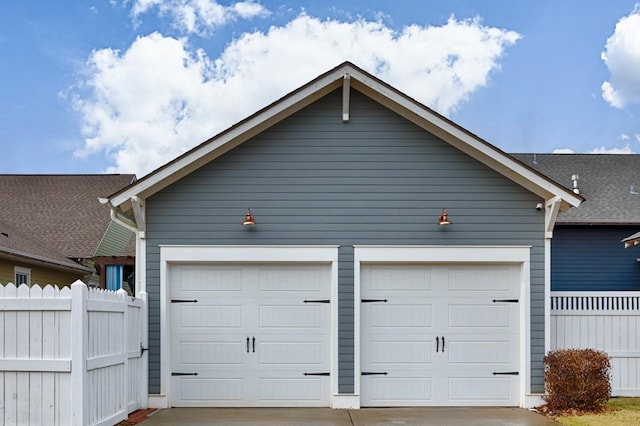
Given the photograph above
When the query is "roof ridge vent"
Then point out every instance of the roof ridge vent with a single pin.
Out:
(575, 179)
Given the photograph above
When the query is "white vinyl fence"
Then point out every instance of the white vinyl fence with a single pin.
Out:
(607, 321)
(70, 356)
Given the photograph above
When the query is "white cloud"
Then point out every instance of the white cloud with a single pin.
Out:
(604, 150)
(563, 151)
(623, 137)
(159, 98)
(622, 57)
(199, 16)
(637, 136)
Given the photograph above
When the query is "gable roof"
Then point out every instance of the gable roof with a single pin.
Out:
(610, 184)
(60, 210)
(17, 244)
(346, 76)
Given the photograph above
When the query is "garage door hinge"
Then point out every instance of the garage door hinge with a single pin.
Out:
(506, 373)
(374, 373)
(183, 301)
(505, 300)
(317, 301)
(374, 300)
(317, 374)
(184, 374)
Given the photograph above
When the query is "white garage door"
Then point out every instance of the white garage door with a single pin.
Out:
(439, 335)
(243, 335)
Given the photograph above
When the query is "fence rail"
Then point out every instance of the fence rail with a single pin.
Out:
(607, 321)
(70, 356)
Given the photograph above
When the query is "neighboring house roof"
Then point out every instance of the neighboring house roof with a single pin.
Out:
(631, 240)
(17, 244)
(60, 210)
(345, 76)
(610, 184)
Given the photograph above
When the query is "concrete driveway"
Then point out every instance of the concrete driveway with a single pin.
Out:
(330, 417)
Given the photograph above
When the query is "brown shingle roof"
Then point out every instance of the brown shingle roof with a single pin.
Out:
(607, 182)
(60, 210)
(14, 242)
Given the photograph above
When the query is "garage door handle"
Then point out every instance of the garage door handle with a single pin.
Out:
(247, 344)
(437, 344)
(442, 343)
(254, 344)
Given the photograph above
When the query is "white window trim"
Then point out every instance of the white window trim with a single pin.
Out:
(24, 271)
(172, 254)
(519, 255)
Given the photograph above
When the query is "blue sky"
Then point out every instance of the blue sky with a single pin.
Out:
(125, 86)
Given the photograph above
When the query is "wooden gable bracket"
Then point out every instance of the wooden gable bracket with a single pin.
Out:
(346, 86)
(552, 208)
(138, 213)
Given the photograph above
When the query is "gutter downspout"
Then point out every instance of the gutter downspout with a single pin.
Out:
(141, 281)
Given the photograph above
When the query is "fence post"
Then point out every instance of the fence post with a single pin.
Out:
(124, 298)
(79, 348)
(144, 383)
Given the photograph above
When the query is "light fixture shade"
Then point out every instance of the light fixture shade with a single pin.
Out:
(444, 218)
(248, 219)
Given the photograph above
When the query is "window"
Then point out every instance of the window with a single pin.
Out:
(22, 276)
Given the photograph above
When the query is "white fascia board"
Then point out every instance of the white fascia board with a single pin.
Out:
(464, 141)
(229, 139)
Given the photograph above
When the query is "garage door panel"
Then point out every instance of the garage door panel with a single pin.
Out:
(191, 278)
(393, 391)
(209, 316)
(473, 352)
(480, 316)
(296, 315)
(401, 352)
(207, 390)
(203, 353)
(306, 391)
(299, 279)
(395, 278)
(490, 390)
(398, 315)
(489, 280)
(292, 354)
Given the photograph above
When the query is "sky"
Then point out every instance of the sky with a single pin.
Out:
(124, 86)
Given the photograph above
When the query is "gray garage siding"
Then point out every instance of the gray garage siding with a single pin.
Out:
(313, 179)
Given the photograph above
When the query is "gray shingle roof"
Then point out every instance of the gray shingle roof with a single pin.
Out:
(60, 210)
(606, 181)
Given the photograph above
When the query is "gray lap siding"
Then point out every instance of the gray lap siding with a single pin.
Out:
(314, 180)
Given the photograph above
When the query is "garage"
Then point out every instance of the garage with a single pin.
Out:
(249, 334)
(440, 334)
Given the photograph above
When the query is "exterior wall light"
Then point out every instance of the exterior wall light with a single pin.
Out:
(248, 219)
(444, 218)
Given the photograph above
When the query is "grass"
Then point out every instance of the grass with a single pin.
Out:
(622, 412)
